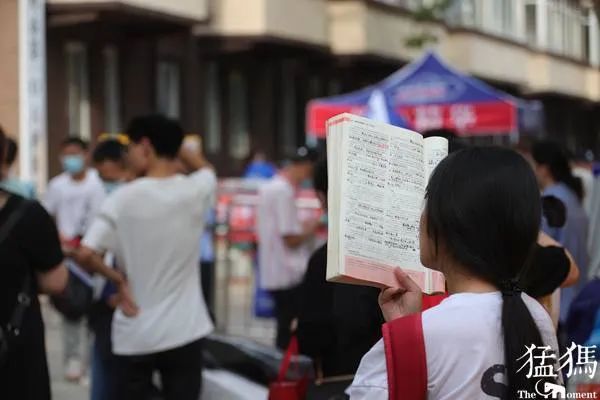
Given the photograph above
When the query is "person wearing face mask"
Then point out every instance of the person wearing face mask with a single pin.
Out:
(109, 159)
(73, 198)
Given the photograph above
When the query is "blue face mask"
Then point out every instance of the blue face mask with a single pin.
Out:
(73, 164)
(110, 187)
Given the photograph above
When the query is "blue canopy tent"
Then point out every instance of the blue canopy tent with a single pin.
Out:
(428, 94)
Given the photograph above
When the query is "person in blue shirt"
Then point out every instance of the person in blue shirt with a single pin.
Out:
(10, 183)
(556, 179)
(259, 167)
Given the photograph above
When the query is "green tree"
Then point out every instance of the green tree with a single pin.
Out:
(425, 13)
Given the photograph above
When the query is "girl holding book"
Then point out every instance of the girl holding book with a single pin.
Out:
(479, 227)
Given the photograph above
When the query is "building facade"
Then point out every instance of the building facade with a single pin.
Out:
(239, 72)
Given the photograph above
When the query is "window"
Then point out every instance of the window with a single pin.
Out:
(212, 110)
(287, 120)
(239, 146)
(78, 101)
(531, 23)
(112, 103)
(565, 31)
(592, 41)
(168, 89)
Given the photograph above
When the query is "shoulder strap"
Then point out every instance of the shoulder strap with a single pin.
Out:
(23, 299)
(405, 358)
(13, 219)
(405, 355)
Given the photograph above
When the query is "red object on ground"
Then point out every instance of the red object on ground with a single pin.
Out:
(283, 389)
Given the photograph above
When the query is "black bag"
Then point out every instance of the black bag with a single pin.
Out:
(13, 328)
(77, 298)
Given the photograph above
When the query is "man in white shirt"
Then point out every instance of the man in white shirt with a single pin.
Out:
(153, 226)
(73, 198)
(283, 241)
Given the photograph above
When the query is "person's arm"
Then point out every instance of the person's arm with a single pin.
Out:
(53, 281)
(193, 160)
(293, 233)
(93, 262)
(43, 250)
(101, 238)
(573, 276)
(292, 241)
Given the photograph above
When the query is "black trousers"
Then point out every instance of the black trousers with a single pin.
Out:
(180, 371)
(286, 309)
(207, 278)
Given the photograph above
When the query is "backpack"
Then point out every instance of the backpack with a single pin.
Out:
(405, 356)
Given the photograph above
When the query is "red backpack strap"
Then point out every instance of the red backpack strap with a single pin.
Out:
(433, 300)
(405, 358)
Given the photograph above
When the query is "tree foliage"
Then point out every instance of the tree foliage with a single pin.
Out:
(427, 13)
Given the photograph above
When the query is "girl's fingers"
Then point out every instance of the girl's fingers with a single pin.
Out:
(390, 293)
(405, 281)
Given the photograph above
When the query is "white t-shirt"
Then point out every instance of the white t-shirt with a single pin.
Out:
(280, 267)
(73, 203)
(463, 345)
(153, 227)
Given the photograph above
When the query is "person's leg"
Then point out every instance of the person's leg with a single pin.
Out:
(134, 376)
(104, 373)
(286, 309)
(207, 278)
(72, 349)
(181, 372)
(97, 374)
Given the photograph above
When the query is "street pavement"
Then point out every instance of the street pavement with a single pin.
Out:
(61, 389)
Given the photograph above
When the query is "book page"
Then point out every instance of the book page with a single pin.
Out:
(435, 150)
(382, 189)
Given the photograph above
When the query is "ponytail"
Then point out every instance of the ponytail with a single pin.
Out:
(483, 205)
(520, 331)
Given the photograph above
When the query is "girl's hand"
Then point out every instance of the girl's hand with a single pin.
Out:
(402, 300)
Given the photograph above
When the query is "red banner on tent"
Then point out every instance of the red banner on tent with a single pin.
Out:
(319, 113)
(471, 118)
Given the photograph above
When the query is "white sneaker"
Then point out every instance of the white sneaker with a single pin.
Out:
(73, 370)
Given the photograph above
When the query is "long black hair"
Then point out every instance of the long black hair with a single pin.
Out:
(483, 206)
(552, 155)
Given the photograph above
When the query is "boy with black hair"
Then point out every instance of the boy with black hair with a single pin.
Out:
(73, 198)
(153, 226)
(109, 159)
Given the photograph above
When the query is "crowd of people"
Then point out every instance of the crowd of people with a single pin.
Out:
(125, 229)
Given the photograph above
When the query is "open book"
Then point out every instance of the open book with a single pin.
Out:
(377, 179)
